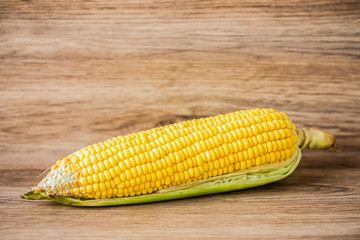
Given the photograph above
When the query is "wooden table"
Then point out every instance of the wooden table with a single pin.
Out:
(77, 72)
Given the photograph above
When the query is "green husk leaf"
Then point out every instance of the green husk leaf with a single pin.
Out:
(254, 177)
(35, 195)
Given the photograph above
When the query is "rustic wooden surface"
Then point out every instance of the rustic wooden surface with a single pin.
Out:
(77, 72)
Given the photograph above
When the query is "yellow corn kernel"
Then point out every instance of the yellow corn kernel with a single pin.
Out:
(148, 161)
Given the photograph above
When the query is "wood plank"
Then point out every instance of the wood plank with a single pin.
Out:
(59, 119)
(320, 199)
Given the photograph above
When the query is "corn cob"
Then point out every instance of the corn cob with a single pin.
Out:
(202, 156)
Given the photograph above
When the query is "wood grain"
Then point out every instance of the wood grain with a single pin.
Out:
(77, 72)
(316, 201)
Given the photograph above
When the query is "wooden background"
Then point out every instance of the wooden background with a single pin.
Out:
(77, 72)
